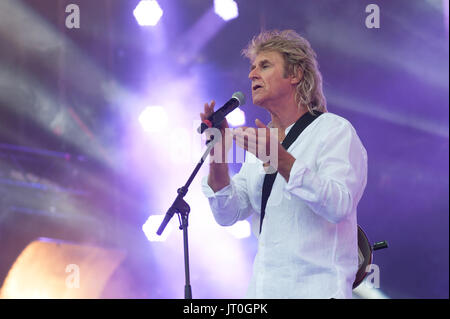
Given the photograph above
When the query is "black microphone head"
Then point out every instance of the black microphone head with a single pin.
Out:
(240, 97)
(202, 128)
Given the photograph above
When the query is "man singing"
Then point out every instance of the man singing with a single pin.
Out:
(307, 232)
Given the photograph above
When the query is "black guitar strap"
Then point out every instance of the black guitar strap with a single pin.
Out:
(269, 179)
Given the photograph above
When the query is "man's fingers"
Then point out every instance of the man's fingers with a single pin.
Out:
(250, 134)
(247, 144)
(260, 124)
(209, 108)
(240, 142)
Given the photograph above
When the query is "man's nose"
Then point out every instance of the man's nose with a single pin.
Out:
(253, 74)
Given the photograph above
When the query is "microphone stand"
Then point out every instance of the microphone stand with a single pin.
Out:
(180, 207)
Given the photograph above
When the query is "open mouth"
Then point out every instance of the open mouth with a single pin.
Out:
(257, 86)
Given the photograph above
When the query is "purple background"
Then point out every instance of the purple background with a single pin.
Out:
(80, 92)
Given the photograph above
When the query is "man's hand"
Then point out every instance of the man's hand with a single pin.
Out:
(218, 176)
(260, 141)
(264, 143)
(224, 143)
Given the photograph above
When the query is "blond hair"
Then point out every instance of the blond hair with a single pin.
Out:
(297, 54)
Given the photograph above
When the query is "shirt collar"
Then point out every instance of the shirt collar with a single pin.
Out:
(286, 131)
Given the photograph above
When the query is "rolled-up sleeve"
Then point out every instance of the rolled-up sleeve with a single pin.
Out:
(230, 203)
(333, 186)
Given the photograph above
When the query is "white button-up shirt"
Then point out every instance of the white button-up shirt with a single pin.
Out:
(308, 245)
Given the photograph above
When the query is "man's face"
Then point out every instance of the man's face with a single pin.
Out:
(269, 86)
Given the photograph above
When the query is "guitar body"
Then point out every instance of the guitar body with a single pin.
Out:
(365, 256)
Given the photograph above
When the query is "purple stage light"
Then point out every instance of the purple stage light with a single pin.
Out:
(226, 9)
(236, 118)
(148, 13)
(153, 119)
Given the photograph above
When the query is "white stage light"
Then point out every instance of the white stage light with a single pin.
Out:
(153, 119)
(226, 9)
(236, 118)
(240, 230)
(151, 226)
(148, 13)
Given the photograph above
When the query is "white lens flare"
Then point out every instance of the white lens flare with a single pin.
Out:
(240, 230)
(151, 226)
(153, 118)
(148, 13)
(236, 118)
(226, 9)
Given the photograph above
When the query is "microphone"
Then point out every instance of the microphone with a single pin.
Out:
(215, 119)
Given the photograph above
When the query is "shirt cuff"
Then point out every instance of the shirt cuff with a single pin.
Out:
(303, 182)
(296, 175)
(209, 192)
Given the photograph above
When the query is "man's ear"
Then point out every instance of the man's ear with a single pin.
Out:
(296, 76)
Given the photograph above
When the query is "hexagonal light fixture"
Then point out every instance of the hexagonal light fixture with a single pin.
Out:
(148, 13)
(226, 9)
